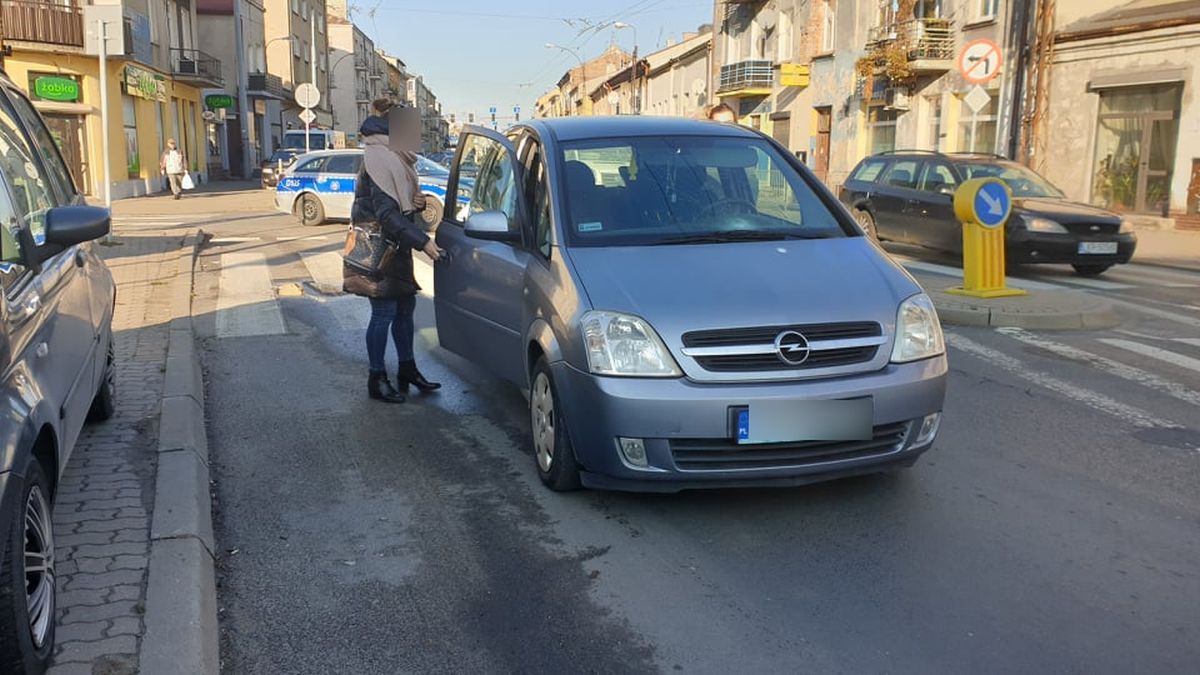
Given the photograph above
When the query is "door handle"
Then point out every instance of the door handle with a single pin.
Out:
(29, 308)
(79, 259)
(914, 202)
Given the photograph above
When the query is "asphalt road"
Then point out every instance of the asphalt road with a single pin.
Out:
(1054, 528)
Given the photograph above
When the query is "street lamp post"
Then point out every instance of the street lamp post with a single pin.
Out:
(635, 78)
(587, 98)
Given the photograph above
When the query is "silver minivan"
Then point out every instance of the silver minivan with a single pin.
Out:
(686, 305)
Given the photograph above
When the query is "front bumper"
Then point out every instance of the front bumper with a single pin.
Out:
(1024, 246)
(598, 410)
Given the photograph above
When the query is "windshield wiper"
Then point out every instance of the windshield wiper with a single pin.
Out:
(735, 236)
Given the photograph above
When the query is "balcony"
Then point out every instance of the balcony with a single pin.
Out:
(266, 85)
(747, 78)
(196, 67)
(42, 21)
(929, 43)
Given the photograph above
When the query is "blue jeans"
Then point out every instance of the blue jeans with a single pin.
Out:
(396, 315)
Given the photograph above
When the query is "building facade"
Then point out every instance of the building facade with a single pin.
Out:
(155, 74)
(571, 95)
(1122, 128)
(669, 82)
(297, 51)
(356, 75)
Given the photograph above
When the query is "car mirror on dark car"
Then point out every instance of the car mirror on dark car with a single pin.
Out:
(67, 226)
(491, 226)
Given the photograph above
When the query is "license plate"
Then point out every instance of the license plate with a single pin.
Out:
(792, 421)
(1098, 247)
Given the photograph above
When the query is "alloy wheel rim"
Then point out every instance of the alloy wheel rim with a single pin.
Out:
(542, 413)
(110, 372)
(310, 209)
(39, 566)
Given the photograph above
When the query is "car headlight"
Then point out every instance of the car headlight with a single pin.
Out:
(1126, 227)
(620, 344)
(918, 331)
(1043, 225)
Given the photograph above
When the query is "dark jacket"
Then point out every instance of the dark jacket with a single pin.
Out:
(373, 205)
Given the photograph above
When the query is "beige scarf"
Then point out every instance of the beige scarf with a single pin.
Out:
(394, 173)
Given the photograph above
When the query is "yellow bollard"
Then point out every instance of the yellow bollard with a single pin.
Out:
(983, 205)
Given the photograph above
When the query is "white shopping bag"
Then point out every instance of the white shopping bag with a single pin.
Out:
(187, 183)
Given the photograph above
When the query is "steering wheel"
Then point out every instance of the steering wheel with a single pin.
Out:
(746, 205)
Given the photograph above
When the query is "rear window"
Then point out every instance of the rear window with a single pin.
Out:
(868, 171)
(311, 165)
(343, 164)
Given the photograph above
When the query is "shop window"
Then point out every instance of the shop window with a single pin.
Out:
(133, 163)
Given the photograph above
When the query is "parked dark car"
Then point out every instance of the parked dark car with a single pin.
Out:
(274, 167)
(56, 364)
(907, 196)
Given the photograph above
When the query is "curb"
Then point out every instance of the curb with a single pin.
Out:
(181, 597)
(1039, 310)
(1167, 264)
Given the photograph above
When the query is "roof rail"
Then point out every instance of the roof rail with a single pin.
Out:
(907, 152)
(993, 155)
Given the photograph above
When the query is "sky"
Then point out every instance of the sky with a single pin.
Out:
(476, 54)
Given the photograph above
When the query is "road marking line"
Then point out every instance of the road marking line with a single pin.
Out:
(246, 303)
(1158, 313)
(946, 270)
(1121, 370)
(1195, 342)
(1098, 284)
(1155, 353)
(325, 268)
(1090, 398)
(234, 240)
(1147, 274)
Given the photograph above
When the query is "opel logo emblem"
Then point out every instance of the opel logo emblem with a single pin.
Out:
(792, 347)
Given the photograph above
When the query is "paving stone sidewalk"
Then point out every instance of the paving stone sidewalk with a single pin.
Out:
(103, 508)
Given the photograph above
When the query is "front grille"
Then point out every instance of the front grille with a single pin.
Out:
(765, 335)
(761, 362)
(1086, 228)
(749, 336)
(724, 454)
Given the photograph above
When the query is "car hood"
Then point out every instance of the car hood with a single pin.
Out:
(1063, 210)
(682, 288)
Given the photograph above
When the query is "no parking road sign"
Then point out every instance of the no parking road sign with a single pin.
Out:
(979, 61)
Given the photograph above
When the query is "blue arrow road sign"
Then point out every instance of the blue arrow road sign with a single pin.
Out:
(992, 204)
(492, 110)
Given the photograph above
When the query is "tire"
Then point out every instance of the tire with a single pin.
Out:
(440, 208)
(105, 403)
(553, 455)
(20, 649)
(1090, 270)
(310, 211)
(867, 222)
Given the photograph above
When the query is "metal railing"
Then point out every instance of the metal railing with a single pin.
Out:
(267, 84)
(194, 64)
(746, 74)
(925, 38)
(42, 21)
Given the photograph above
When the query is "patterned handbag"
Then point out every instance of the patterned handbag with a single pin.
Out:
(367, 250)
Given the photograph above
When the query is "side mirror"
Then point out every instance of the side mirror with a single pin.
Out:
(67, 226)
(491, 226)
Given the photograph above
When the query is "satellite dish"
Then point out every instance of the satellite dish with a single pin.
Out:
(698, 86)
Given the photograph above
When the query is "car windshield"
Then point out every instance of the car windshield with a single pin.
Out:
(284, 156)
(427, 167)
(1022, 181)
(295, 140)
(687, 189)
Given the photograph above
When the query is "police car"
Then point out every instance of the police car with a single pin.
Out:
(319, 186)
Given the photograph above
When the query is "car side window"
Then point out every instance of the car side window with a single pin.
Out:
(869, 170)
(902, 173)
(31, 190)
(936, 175)
(55, 168)
(12, 272)
(348, 164)
(538, 196)
(314, 165)
(495, 186)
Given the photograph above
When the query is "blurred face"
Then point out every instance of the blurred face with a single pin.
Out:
(171, 144)
(404, 130)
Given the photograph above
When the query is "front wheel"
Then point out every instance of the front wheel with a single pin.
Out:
(552, 451)
(27, 591)
(1090, 270)
(105, 402)
(309, 211)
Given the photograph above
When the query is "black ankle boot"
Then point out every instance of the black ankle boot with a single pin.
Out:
(410, 375)
(380, 389)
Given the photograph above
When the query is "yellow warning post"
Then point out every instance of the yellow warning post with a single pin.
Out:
(983, 206)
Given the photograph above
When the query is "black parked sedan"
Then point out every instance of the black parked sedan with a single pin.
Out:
(274, 167)
(907, 196)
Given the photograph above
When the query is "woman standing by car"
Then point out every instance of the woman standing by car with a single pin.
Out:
(386, 199)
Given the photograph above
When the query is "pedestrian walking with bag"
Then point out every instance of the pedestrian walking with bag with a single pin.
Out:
(378, 262)
(174, 165)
